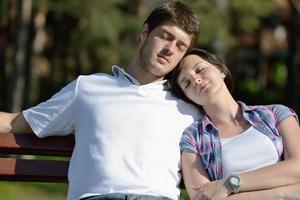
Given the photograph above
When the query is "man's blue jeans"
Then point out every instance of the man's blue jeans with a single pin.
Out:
(120, 196)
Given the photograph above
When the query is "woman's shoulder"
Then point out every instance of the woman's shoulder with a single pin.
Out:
(197, 126)
(275, 111)
(268, 107)
(274, 108)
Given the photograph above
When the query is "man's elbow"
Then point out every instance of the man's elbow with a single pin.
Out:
(19, 124)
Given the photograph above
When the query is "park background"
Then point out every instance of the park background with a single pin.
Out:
(44, 44)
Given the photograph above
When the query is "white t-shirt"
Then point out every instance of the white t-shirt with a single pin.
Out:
(127, 135)
(248, 151)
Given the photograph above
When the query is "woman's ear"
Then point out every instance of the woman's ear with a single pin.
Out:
(223, 75)
(143, 33)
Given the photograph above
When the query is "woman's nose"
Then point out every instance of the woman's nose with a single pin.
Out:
(196, 81)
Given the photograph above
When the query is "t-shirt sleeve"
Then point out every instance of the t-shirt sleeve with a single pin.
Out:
(282, 112)
(189, 139)
(54, 116)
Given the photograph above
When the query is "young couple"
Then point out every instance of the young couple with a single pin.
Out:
(128, 125)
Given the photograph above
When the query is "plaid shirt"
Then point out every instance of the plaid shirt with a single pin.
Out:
(202, 138)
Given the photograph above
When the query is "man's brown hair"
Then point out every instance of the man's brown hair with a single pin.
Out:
(177, 13)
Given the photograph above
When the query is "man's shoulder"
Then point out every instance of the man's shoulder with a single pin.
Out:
(186, 107)
(100, 76)
(95, 78)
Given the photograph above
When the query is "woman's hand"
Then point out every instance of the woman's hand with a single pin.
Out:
(215, 190)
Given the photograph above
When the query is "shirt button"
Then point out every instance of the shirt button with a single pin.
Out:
(142, 91)
(208, 128)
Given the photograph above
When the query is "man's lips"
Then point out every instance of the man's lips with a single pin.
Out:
(166, 59)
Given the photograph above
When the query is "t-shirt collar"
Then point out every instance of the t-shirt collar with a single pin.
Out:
(120, 72)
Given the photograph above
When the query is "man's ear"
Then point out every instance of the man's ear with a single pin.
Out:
(143, 33)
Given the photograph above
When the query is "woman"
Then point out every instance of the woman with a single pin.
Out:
(234, 151)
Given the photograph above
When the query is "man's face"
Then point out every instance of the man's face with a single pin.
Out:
(163, 48)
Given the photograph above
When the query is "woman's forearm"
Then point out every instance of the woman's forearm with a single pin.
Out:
(270, 194)
(289, 192)
(273, 176)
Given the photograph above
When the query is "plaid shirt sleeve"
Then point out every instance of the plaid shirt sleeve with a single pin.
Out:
(189, 139)
(282, 112)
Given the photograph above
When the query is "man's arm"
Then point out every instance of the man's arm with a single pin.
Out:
(13, 123)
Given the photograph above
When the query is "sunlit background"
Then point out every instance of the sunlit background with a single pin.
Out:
(44, 44)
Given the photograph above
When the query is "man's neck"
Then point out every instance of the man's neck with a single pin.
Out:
(142, 76)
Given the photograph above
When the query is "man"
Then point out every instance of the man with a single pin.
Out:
(128, 126)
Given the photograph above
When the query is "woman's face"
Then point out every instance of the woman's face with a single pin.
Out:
(199, 80)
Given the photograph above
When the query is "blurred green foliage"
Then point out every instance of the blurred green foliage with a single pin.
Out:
(84, 37)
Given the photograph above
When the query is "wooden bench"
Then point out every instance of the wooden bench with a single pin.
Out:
(15, 167)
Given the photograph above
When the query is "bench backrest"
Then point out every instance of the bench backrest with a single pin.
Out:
(15, 165)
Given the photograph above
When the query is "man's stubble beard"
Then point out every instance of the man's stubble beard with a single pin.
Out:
(144, 57)
(145, 61)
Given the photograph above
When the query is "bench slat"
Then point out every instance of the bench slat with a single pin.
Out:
(32, 145)
(33, 170)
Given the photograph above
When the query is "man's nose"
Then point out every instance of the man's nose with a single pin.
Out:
(170, 48)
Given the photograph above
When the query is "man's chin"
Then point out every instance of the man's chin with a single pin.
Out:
(160, 74)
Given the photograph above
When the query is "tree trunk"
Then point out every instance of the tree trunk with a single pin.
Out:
(292, 81)
(17, 84)
(37, 48)
(219, 46)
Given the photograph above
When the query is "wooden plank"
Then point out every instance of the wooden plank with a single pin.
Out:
(33, 170)
(32, 145)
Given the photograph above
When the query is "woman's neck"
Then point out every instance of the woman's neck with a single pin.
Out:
(223, 110)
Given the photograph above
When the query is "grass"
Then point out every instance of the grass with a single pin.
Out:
(32, 191)
(38, 191)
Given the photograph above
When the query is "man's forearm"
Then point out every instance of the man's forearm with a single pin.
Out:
(6, 121)
(13, 123)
